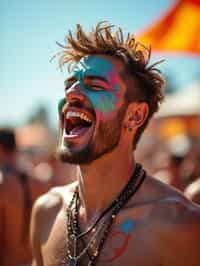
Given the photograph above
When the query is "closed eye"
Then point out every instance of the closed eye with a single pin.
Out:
(96, 83)
(89, 83)
(95, 87)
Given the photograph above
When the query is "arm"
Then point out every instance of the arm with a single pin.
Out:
(2, 219)
(35, 233)
(43, 214)
(193, 191)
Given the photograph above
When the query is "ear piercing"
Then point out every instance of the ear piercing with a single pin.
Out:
(128, 128)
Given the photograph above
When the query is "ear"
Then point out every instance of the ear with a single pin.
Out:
(136, 115)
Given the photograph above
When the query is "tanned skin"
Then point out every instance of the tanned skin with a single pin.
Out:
(157, 227)
(192, 192)
(14, 241)
(15, 247)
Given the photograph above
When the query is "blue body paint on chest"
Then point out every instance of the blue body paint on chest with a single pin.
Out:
(127, 226)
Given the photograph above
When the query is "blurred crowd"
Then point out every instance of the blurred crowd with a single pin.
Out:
(169, 150)
(28, 168)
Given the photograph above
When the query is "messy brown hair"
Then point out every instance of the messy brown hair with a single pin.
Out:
(145, 82)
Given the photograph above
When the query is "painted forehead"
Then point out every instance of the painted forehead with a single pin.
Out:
(94, 66)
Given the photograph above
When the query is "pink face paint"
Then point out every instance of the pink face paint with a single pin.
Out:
(104, 100)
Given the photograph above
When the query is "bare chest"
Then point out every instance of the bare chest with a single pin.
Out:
(126, 244)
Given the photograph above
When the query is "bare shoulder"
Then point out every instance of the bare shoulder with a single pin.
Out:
(176, 226)
(171, 204)
(193, 191)
(45, 210)
(52, 200)
(174, 213)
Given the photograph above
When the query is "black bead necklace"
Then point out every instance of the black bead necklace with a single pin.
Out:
(73, 229)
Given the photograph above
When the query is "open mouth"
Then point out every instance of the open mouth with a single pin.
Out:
(76, 124)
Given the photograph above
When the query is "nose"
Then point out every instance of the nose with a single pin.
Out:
(74, 93)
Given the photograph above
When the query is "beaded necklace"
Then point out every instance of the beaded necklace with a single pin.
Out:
(73, 229)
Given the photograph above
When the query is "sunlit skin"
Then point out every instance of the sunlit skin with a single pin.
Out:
(17, 195)
(108, 88)
(123, 236)
(14, 224)
(100, 89)
(100, 85)
(157, 227)
(193, 191)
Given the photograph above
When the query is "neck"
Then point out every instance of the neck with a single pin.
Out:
(101, 181)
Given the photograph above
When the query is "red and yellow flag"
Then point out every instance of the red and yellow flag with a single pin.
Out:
(178, 30)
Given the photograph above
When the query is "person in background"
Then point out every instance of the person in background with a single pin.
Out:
(15, 204)
(115, 213)
(175, 154)
(20, 186)
(192, 173)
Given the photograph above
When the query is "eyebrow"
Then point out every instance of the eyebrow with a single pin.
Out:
(89, 77)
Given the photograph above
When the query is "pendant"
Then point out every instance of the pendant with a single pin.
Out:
(73, 262)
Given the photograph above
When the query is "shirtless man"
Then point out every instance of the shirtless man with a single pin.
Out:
(115, 214)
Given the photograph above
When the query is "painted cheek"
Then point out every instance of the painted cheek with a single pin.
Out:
(114, 81)
(106, 103)
(103, 102)
(116, 87)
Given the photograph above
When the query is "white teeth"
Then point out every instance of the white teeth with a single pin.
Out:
(78, 114)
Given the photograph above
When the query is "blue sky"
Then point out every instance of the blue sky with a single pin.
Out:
(29, 31)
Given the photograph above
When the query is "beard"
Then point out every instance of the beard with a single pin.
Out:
(106, 140)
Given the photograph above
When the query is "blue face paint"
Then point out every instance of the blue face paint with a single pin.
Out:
(103, 100)
(61, 104)
(93, 66)
(127, 226)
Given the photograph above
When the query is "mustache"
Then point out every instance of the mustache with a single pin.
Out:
(76, 104)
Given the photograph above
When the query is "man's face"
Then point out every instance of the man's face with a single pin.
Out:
(92, 112)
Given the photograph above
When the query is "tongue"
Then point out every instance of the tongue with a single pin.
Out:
(78, 130)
